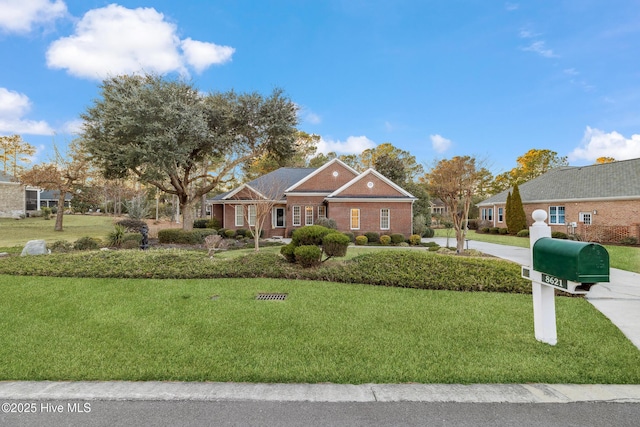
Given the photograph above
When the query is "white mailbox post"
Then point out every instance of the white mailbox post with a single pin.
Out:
(544, 303)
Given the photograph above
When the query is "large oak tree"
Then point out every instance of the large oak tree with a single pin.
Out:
(183, 141)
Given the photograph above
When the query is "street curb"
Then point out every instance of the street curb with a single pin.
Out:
(191, 391)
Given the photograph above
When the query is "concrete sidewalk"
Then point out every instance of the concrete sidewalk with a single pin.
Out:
(181, 391)
(619, 299)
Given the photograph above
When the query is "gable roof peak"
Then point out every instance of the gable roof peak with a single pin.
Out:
(320, 169)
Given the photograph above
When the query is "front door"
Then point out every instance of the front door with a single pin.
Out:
(278, 215)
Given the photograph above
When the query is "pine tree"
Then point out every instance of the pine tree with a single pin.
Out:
(507, 212)
(518, 218)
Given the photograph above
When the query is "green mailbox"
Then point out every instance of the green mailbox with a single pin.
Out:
(568, 260)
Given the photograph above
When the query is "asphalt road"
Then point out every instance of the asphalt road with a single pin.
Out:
(260, 413)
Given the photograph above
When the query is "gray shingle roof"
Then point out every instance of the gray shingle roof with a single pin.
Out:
(280, 179)
(617, 180)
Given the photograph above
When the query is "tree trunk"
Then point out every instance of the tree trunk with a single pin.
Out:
(188, 214)
(60, 213)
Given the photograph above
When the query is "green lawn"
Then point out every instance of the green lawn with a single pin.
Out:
(117, 329)
(621, 257)
(18, 232)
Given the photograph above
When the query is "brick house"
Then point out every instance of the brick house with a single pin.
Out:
(599, 202)
(359, 202)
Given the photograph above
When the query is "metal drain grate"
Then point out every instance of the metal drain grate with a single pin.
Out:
(271, 297)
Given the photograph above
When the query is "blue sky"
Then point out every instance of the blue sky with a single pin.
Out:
(440, 78)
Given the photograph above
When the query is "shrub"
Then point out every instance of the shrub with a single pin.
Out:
(503, 231)
(130, 244)
(428, 233)
(116, 236)
(415, 239)
(214, 223)
(485, 229)
(385, 240)
(397, 238)
(200, 223)
(523, 233)
(132, 225)
(132, 237)
(328, 223)
(351, 236)
(361, 240)
(222, 232)
(230, 234)
(137, 208)
(308, 255)
(242, 232)
(372, 237)
(174, 235)
(494, 230)
(309, 235)
(61, 246)
(86, 244)
(335, 244)
(287, 251)
(559, 235)
(46, 212)
(472, 224)
(629, 241)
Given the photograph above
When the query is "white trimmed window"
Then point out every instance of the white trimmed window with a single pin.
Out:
(252, 215)
(239, 215)
(322, 211)
(487, 214)
(585, 217)
(297, 216)
(384, 219)
(308, 215)
(355, 219)
(500, 214)
(556, 214)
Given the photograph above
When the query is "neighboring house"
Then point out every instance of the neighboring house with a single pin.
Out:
(16, 199)
(358, 202)
(49, 199)
(598, 202)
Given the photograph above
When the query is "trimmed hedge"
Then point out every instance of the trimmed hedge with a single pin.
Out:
(335, 244)
(132, 225)
(429, 232)
(308, 255)
(523, 233)
(309, 235)
(86, 244)
(401, 268)
(559, 235)
(372, 236)
(178, 236)
(397, 238)
(415, 239)
(361, 240)
(385, 240)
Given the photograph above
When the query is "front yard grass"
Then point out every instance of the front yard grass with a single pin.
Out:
(172, 330)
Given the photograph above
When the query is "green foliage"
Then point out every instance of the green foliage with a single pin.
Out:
(214, 223)
(335, 244)
(309, 235)
(137, 207)
(61, 246)
(428, 233)
(46, 212)
(559, 235)
(287, 251)
(508, 212)
(629, 241)
(494, 230)
(308, 255)
(518, 217)
(419, 224)
(327, 222)
(503, 231)
(372, 236)
(200, 223)
(415, 239)
(178, 236)
(484, 229)
(116, 237)
(132, 225)
(361, 240)
(350, 235)
(230, 234)
(397, 238)
(242, 232)
(385, 240)
(86, 244)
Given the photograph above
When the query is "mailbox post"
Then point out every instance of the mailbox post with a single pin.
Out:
(559, 264)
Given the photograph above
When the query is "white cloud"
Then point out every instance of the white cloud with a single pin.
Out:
(511, 6)
(540, 48)
(73, 127)
(353, 145)
(439, 143)
(19, 16)
(201, 55)
(571, 71)
(597, 143)
(116, 40)
(13, 107)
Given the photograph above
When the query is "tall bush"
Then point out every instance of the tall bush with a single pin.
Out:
(335, 245)
(519, 218)
(309, 235)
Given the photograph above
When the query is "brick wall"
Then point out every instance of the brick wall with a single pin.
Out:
(331, 178)
(12, 199)
(400, 218)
